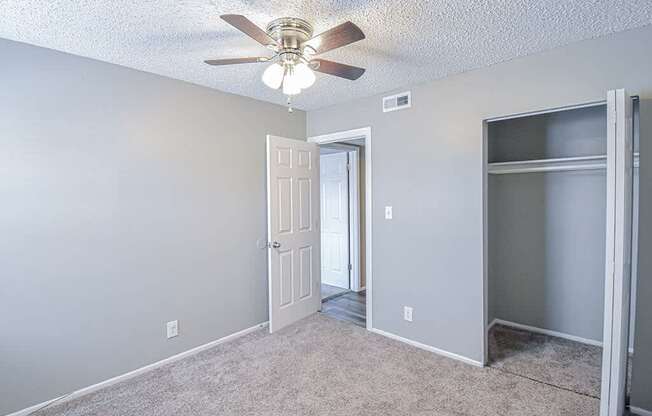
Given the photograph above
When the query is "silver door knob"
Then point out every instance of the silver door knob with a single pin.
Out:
(276, 244)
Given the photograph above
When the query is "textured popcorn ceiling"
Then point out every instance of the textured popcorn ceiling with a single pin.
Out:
(407, 41)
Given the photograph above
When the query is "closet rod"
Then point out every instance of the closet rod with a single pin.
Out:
(553, 165)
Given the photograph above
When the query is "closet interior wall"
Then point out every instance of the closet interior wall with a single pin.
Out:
(546, 230)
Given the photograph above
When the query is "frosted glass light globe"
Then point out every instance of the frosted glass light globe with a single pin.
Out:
(290, 84)
(304, 75)
(273, 76)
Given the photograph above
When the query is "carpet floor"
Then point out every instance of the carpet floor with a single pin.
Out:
(323, 366)
(567, 364)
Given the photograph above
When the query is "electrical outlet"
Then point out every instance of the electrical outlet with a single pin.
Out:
(407, 313)
(388, 213)
(172, 329)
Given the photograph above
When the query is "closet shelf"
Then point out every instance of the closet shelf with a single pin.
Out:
(552, 165)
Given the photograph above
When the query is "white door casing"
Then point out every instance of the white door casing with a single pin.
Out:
(334, 182)
(618, 252)
(365, 134)
(293, 230)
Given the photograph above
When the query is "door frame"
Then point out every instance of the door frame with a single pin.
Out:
(341, 136)
(354, 220)
(619, 253)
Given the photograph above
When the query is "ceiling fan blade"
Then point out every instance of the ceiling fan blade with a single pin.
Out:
(341, 35)
(233, 61)
(249, 28)
(338, 69)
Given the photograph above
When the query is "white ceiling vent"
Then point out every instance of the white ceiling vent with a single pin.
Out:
(397, 102)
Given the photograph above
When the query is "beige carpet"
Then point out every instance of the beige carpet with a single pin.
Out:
(322, 366)
(557, 361)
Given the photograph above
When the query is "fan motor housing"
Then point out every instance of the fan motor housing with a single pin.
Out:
(290, 32)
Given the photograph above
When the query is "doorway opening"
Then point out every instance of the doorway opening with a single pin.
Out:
(345, 213)
(342, 190)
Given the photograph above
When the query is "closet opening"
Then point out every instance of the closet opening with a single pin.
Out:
(545, 234)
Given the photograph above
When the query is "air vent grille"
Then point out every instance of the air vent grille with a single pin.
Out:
(397, 102)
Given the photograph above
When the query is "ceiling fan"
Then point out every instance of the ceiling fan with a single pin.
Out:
(294, 47)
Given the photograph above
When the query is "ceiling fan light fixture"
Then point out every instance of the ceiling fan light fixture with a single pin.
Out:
(273, 76)
(292, 42)
(290, 84)
(304, 75)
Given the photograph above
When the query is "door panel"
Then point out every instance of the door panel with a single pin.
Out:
(285, 277)
(305, 204)
(293, 230)
(620, 166)
(334, 196)
(284, 205)
(305, 289)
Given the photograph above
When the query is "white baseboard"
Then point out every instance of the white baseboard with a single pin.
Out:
(546, 332)
(428, 347)
(86, 390)
(360, 289)
(640, 412)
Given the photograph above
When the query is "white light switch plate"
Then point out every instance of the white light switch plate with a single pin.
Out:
(388, 213)
(172, 329)
(407, 313)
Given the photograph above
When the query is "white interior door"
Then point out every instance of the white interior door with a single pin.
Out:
(293, 230)
(335, 219)
(618, 259)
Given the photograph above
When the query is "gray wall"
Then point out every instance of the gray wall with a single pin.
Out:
(547, 230)
(546, 250)
(427, 163)
(576, 132)
(128, 200)
(642, 365)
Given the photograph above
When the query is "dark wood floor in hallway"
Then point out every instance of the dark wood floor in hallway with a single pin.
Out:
(350, 306)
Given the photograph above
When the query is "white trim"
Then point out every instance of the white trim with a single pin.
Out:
(538, 330)
(354, 218)
(484, 250)
(618, 249)
(361, 289)
(364, 132)
(342, 136)
(547, 111)
(268, 237)
(640, 412)
(426, 347)
(597, 162)
(106, 383)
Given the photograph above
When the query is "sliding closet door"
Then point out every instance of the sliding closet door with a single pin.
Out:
(618, 256)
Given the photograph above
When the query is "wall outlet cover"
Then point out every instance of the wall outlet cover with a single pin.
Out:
(388, 213)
